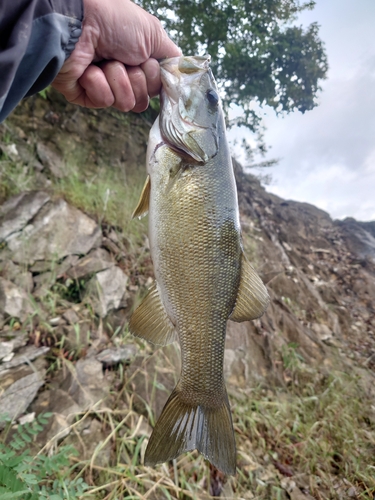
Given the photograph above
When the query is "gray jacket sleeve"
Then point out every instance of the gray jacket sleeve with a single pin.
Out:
(36, 36)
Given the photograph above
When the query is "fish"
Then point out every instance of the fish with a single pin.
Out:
(202, 277)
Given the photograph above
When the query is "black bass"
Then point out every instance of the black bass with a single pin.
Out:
(202, 276)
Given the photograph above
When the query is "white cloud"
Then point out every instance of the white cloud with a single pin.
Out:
(328, 154)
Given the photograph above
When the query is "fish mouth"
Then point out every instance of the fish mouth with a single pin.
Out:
(185, 64)
(179, 127)
(172, 68)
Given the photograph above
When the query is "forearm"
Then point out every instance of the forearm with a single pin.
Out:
(36, 37)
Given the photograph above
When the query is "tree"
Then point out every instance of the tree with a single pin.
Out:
(257, 54)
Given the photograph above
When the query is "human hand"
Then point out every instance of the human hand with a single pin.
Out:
(114, 63)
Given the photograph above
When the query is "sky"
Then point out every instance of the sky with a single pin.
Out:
(327, 155)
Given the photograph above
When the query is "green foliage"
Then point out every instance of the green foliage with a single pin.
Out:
(44, 93)
(257, 55)
(14, 178)
(291, 358)
(29, 478)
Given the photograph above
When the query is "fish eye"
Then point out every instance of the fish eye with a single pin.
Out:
(212, 97)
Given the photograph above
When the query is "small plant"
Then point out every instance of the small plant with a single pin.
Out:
(29, 477)
(292, 360)
(44, 93)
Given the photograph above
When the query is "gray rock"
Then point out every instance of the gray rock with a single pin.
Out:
(9, 345)
(95, 446)
(51, 160)
(97, 260)
(106, 290)
(66, 264)
(45, 279)
(16, 212)
(359, 236)
(113, 356)
(26, 153)
(10, 150)
(15, 400)
(9, 377)
(112, 235)
(14, 339)
(88, 385)
(14, 301)
(6, 349)
(322, 331)
(71, 316)
(57, 231)
(78, 336)
(43, 266)
(18, 275)
(65, 410)
(29, 353)
(165, 366)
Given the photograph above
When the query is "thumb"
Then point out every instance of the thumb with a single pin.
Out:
(162, 46)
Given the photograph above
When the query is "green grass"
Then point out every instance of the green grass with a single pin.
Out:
(14, 178)
(107, 195)
(319, 428)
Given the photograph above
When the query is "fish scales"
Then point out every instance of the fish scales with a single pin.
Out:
(197, 262)
(202, 277)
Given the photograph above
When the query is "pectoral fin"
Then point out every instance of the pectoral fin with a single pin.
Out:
(142, 208)
(252, 298)
(150, 320)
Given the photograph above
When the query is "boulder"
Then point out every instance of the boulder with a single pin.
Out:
(51, 160)
(17, 274)
(28, 354)
(58, 230)
(106, 290)
(14, 301)
(16, 212)
(15, 400)
(87, 384)
(97, 260)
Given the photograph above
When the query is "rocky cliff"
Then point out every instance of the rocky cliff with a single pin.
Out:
(69, 280)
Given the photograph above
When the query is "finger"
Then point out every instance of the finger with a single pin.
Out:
(118, 79)
(71, 90)
(151, 69)
(98, 93)
(139, 85)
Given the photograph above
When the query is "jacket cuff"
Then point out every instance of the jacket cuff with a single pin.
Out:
(75, 27)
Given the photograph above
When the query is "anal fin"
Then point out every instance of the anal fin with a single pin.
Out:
(252, 297)
(150, 320)
(144, 200)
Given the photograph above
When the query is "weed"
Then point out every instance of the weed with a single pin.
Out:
(107, 196)
(35, 477)
(316, 428)
(44, 93)
(14, 178)
(291, 358)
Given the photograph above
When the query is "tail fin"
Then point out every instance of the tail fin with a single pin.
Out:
(182, 427)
